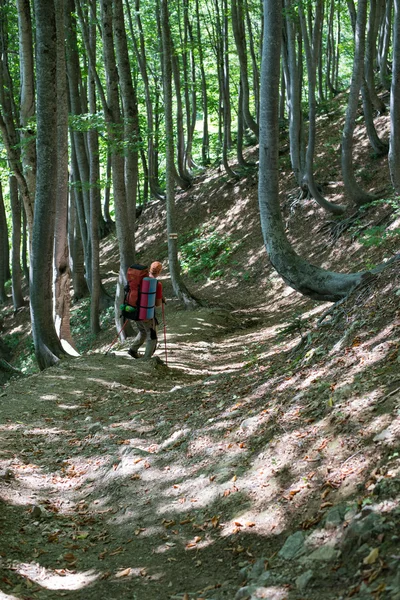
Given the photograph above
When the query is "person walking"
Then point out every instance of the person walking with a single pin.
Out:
(147, 329)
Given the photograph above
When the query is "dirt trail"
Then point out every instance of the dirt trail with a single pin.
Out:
(124, 479)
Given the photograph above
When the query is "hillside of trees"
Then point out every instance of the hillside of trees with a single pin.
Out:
(253, 149)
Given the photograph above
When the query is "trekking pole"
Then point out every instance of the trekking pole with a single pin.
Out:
(165, 333)
(118, 334)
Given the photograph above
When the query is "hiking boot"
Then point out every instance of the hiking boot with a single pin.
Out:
(133, 353)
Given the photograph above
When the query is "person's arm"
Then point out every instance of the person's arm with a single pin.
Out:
(159, 295)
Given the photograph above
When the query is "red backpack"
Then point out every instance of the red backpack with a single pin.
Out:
(134, 277)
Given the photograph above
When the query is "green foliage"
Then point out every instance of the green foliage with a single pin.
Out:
(378, 235)
(206, 253)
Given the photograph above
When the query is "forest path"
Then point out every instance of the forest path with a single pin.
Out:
(132, 479)
(116, 477)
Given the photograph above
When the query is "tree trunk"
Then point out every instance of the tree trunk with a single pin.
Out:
(62, 281)
(240, 40)
(142, 62)
(4, 253)
(394, 152)
(205, 147)
(312, 45)
(386, 28)
(130, 116)
(296, 272)
(178, 286)
(94, 170)
(355, 193)
(48, 347)
(370, 58)
(27, 94)
(296, 129)
(16, 271)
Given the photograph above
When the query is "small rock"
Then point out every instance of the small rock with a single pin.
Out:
(95, 428)
(36, 512)
(334, 517)
(324, 554)
(293, 547)
(384, 435)
(303, 580)
(257, 570)
(245, 592)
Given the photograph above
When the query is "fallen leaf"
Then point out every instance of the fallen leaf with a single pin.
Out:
(372, 557)
(168, 523)
(215, 522)
(124, 573)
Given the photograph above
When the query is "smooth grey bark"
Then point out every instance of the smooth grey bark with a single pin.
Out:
(4, 253)
(294, 76)
(16, 271)
(379, 146)
(62, 278)
(254, 61)
(76, 254)
(298, 273)
(27, 94)
(179, 287)
(239, 34)
(312, 45)
(384, 43)
(48, 348)
(141, 54)
(394, 151)
(355, 193)
(205, 146)
(370, 56)
(94, 196)
(8, 120)
(130, 115)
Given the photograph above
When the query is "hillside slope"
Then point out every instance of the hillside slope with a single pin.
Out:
(262, 461)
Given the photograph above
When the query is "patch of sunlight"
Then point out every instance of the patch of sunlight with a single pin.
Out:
(69, 349)
(271, 521)
(49, 397)
(70, 406)
(177, 435)
(4, 596)
(56, 579)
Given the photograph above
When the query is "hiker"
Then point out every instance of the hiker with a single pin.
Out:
(147, 329)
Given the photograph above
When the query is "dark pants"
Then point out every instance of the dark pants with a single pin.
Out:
(147, 332)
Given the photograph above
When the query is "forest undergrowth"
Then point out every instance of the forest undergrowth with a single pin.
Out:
(257, 456)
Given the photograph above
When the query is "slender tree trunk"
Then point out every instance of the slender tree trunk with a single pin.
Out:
(4, 253)
(296, 130)
(178, 286)
(240, 40)
(354, 191)
(48, 347)
(394, 152)
(130, 115)
(312, 45)
(298, 273)
(370, 57)
(27, 94)
(386, 29)
(205, 147)
(142, 62)
(16, 271)
(62, 280)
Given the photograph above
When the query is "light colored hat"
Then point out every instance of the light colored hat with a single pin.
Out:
(155, 268)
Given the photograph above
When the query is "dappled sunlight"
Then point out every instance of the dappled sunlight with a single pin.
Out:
(57, 579)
